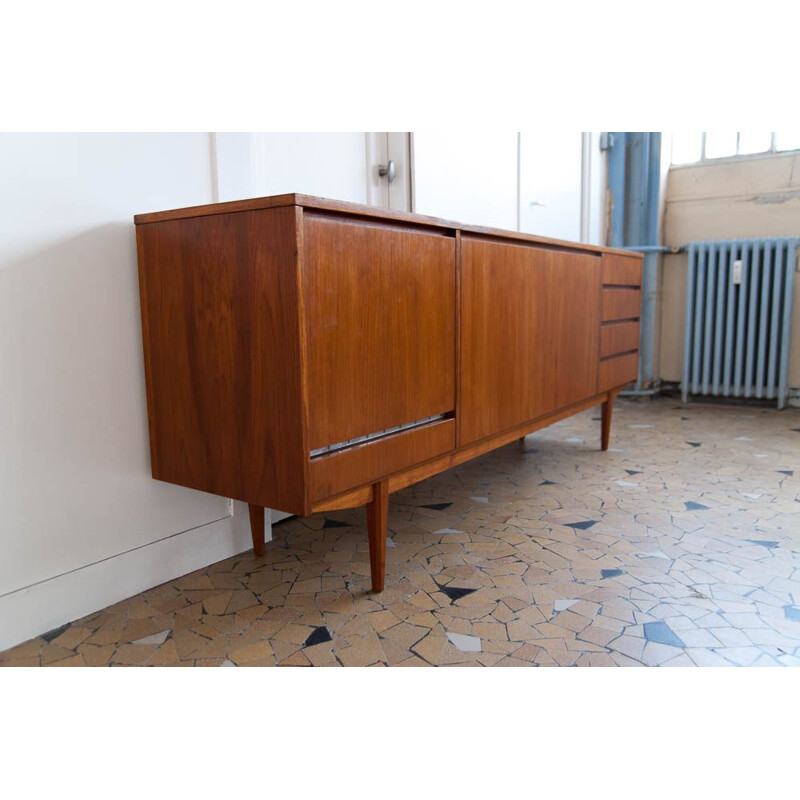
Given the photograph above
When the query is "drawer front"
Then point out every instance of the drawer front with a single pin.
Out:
(617, 371)
(380, 320)
(621, 304)
(618, 337)
(622, 270)
(364, 464)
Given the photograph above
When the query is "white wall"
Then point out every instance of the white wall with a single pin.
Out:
(335, 165)
(75, 485)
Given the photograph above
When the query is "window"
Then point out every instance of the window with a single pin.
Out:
(694, 148)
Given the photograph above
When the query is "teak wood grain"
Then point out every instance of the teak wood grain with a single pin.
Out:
(615, 372)
(605, 421)
(419, 472)
(380, 307)
(377, 524)
(530, 328)
(622, 270)
(275, 326)
(221, 332)
(618, 337)
(366, 463)
(621, 304)
(360, 211)
(257, 529)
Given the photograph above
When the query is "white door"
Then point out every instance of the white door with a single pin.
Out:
(545, 182)
(466, 177)
(550, 173)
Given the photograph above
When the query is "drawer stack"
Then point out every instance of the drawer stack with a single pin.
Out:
(619, 331)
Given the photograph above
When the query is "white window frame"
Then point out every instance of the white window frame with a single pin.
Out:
(704, 159)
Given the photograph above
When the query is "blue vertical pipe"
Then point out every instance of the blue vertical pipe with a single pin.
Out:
(643, 175)
(650, 266)
(636, 188)
(616, 189)
(636, 217)
(634, 174)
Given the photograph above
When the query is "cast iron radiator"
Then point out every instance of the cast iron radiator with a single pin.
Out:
(738, 318)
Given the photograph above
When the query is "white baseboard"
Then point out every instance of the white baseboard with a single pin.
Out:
(36, 609)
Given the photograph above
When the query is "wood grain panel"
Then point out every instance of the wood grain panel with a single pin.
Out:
(350, 499)
(621, 304)
(368, 463)
(618, 337)
(380, 311)
(622, 270)
(407, 477)
(530, 333)
(358, 210)
(222, 340)
(616, 372)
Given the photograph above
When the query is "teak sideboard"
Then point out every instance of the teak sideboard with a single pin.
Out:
(307, 355)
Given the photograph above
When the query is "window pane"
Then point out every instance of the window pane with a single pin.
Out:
(686, 147)
(787, 141)
(720, 145)
(754, 142)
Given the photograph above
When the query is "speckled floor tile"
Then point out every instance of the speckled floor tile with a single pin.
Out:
(680, 546)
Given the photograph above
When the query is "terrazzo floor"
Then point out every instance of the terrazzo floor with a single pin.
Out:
(680, 546)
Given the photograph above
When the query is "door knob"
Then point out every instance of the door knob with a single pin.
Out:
(386, 171)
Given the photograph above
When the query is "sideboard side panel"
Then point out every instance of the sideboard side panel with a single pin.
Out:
(220, 304)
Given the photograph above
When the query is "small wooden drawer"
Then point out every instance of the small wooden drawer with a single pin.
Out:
(621, 304)
(622, 270)
(363, 464)
(616, 372)
(618, 337)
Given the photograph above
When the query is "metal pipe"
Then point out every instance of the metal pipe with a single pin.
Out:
(656, 248)
(616, 188)
(636, 228)
(640, 392)
(650, 267)
(641, 225)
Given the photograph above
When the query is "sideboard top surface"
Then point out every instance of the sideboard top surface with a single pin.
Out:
(358, 209)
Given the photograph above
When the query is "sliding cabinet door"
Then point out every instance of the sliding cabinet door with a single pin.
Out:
(380, 309)
(529, 333)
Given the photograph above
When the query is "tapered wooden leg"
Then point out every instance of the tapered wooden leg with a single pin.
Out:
(377, 528)
(608, 407)
(257, 529)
